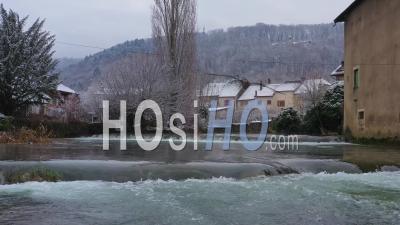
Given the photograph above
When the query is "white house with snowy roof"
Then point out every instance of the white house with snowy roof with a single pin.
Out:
(60, 106)
(256, 92)
(222, 92)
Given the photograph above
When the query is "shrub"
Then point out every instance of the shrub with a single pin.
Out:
(38, 136)
(6, 124)
(288, 122)
(38, 174)
(60, 129)
(326, 116)
(25, 135)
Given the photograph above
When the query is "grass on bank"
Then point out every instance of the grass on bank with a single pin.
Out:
(40, 135)
(38, 174)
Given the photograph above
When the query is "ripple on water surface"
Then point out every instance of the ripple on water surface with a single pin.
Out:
(372, 198)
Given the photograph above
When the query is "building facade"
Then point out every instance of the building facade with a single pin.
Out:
(372, 68)
(62, 106)
(276, 97)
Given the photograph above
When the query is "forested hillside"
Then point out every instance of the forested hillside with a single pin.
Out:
(259, 52)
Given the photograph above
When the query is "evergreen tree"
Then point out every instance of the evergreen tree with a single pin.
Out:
(27, 67)
(288, 122)
(328, 114)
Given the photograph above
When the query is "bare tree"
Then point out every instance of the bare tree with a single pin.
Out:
(174, 24)
(312, 92)
(133, 79)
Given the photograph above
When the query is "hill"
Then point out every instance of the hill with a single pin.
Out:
(260, 52)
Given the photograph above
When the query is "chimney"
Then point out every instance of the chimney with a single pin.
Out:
(269, 81)
(261, 85)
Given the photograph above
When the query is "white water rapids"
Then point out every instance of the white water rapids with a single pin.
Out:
(371, 198)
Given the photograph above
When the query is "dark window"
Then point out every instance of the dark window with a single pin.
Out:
(361, 115)
(356, 77)
(269, 102)
(226, 102)
(281, 103)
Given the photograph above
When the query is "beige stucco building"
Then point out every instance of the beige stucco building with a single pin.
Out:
(260, 93)
(372, 68)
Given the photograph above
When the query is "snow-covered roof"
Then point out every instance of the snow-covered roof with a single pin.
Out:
(63, 88)
(212, 89)
(254, 91)
(230, 90)
(273, 86)
(337, 83)
(287, 87)
(338, 71)
(311, 85)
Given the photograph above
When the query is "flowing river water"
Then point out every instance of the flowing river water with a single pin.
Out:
(320, 183)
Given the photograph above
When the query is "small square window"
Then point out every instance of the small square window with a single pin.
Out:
(269, 102)
(226, 103)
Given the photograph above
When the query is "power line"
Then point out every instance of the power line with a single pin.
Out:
(101, 48)
(311, 63)
(236, 77)
(284, 63)
(79, 45)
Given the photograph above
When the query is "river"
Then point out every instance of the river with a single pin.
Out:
(320, 183)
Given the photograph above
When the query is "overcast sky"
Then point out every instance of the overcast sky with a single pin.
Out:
(104, 23)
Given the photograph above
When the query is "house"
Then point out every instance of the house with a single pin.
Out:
(371, 68)
(223, 93)
(230, 92)
(277, 97)
(284, 97)
(62, 106)
(338, 73)
(260, 93)
(210, 92)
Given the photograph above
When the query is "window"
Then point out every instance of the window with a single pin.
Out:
(361, 115)
(361, 119)
(281, 103)
(226, 102)
(269, 102)
(356, 77)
